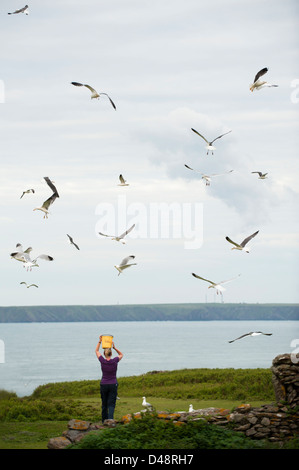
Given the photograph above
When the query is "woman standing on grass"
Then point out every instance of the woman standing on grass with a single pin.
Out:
(108, 382)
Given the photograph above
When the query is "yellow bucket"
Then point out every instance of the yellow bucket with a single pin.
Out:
(107, 341)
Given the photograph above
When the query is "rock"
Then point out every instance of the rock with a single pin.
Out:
(243, 428)
(292, 395)
(285, 377)
(78, 425)
(237, 417)
(244, 408)
(58, 443)
(265, 421)
(252, 420)
(250, 432)
(126, 418)
(110, 423)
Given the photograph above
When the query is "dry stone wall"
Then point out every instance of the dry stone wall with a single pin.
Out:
(275, 422)
(285, 378)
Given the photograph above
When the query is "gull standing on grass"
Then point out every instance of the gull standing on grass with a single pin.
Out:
(210, 144)
(252, 333)
(125, 264)
(207, 178)
(94, 93)
(25, 10)
(146, 404)
(45, 207)
(24, 257)
(241, 246)
(218, 286)
(120, 237)
(257, 83)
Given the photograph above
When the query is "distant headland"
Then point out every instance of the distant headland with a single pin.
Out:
(149, 312)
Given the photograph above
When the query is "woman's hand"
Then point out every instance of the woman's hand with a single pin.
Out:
(98, 347)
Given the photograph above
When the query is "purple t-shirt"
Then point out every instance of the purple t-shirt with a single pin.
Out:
(109, 369)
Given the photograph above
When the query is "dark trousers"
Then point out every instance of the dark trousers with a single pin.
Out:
(108, 395)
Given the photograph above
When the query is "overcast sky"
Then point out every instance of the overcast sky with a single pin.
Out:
(169, 66)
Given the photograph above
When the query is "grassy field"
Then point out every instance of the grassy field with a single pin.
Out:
(29, 422)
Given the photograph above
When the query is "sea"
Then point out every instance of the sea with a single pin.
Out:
(33, 354)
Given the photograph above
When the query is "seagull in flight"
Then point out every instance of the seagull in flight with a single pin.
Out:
(28, 191)
(28, 285)
(25, 10)
(94, 93)
(24, 257)
(262, 176)
(218, 286)
(125, 264)
(123, 182)
(45, 207)
(120, 237)
(20, 254)
(210, 144)
(257, 83)
(72, 242)
(241, 246)
(207, 178)
(252, 333)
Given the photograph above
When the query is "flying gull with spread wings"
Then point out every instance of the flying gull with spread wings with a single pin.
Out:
(262, 176)
(72, 242)
(257, 83)
(45, 207)
(25, 10)
(125, 264)
(123, 182)
(28, 285)
(94, 93)
(218, 286)
(242, 245)
(207, 178)
(24, 257)
(210, 143)
(119, 238)
(252, 333)
(28, 191)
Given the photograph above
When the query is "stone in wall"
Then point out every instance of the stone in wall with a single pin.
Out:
(285, 379)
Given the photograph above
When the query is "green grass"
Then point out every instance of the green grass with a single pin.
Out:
(27, 435)
(29, 422)
(202, 384)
